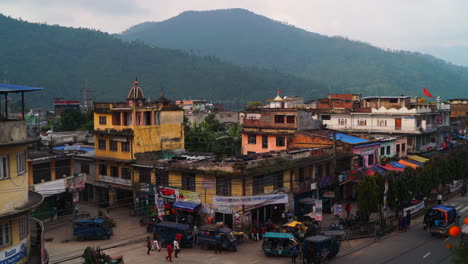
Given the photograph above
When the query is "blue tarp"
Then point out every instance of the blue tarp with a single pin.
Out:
(10, 88)
(379, 169)
(74, 148)
(350, 139)
(460, 136)
(278, 235)
(187, 206)
(396, 164)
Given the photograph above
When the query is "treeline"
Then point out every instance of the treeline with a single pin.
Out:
(66, 60)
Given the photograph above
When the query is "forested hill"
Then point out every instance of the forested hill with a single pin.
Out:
(245, 38)
(62, 60)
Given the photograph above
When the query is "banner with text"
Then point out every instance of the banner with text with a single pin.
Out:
(251, 200)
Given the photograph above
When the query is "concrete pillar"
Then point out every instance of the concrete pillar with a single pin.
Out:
(122, 119)
(53, 175)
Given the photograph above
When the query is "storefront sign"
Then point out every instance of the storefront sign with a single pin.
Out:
(415, 208)
(189, 196)
(338, 209)
(318, 210)
(160, 204)
(251, 200)
(208, 183)
(14, 254)
(325, 181)
(223, 209)
(169, 192)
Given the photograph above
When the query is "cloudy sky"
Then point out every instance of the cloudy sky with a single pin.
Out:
(418, 25)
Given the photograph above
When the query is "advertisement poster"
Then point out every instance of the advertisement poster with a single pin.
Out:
(160, 204)
(338, 209)
(189, 196)
(318, 210)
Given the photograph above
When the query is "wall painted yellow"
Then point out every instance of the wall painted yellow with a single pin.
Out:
(16, 186)
(16, 239)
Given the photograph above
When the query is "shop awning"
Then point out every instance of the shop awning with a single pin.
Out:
(391, 168)
(293, 224)
(418, 158)
(186, 206)
(415, 162)
(408, 164)
(398, 165)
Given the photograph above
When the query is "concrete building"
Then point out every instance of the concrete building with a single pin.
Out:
(61, 105)
(124, 129)
(16, 200)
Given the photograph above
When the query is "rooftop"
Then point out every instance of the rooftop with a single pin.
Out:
(11, 88)
(386, 97)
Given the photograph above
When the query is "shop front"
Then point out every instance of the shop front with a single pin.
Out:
(347, 182)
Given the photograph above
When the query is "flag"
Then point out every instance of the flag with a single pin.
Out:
(278, 91)
(427, 93)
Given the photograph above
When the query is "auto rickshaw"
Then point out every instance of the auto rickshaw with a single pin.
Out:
(278, 244)
(439, 219)
(464, 236)
(207, 236)
(317, 248)
(167, 231)
(150, 222)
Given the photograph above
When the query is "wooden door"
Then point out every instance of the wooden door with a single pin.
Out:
(397, 123)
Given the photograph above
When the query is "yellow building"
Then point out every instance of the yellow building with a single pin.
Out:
(236, 191)
(122, 130)
(15, 198)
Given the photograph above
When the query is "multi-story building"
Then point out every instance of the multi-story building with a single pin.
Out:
(16, 200)
(427, 127)
(269, 128)
(124, 129)
(61, 105)
(459, 115)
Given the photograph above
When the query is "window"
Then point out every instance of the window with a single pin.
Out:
(388, 150)
(145, 175)
(403, 147)
(42, 172)
(257, 185)
(102, 144)
(382, 151)
(3, 167)
(301, 175)
(362, 122)
(84, 168)
(114, 171)
(188, 181)
(223, 186)
(102, 120)
(113, 145)
(398, 148)
(290, 119)
(382, 123)
(393, 100)
(102, 169)
(162, 178)
(125, 147)
(279, 119)
(280, 142)
(370, 159)
(5, 234)
(125, 173)
(342, 121)
(326, 117)
(418, 122)
(252, 139)
(24, 226)
(21, 162)
(264, 141)
(278, 181)
(63, 168)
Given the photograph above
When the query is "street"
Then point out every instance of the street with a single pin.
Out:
(414, 246)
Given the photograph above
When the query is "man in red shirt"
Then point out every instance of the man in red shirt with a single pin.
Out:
(179, 237)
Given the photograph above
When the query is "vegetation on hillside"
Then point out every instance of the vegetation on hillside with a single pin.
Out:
(63, 60)
(245, 38)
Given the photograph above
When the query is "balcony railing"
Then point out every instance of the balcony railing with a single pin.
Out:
(115, 180)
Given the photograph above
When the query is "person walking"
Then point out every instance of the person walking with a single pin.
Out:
(294, 253)
(176, 248)
(254, 233)
(149, 244)
(439, 198)
(195, 234)
(264, 229)
(219, 241)
(179, 237)
(169, 252)
(348, 210)
(404, 223)
(408, 219)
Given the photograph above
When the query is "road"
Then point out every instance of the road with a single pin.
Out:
(414, 246)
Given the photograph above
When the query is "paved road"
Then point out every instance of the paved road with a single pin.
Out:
(414, 246)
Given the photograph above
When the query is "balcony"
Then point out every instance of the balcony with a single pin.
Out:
(14, 132)
(115, 180)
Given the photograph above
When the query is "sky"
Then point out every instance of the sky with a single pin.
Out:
(416, 25)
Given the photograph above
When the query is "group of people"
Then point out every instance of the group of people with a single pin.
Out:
(174, 247)
(258, 231)
(405, 221)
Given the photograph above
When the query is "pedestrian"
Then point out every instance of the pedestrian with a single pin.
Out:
(404, 223)
(169, 252)
(149, 244)
(408, 219)
(293, 253)
(195, 234)
(179, 237)
(439, 198)
(348, 209)
(176, 248)
(283, 217)
(254, 233)
(263, 231)
(219, 241)
(289, 215)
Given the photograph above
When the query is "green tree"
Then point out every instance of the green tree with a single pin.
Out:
(370, 195)
(71, 120)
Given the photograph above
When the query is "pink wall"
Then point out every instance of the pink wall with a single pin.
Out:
(365, 152)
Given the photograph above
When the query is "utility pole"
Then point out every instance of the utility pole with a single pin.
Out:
(87, 98)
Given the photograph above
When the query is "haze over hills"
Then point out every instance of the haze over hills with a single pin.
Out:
(245, 38)
(62, 59)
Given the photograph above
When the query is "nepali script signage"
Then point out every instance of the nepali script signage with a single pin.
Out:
(415, 208)
(251, 200)
(14, 254)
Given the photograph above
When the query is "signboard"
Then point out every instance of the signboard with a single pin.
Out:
(318, 210)
(209, 183)
(223, 209)
(456, 186)
(169, 192)
(325, 181)
(14, 254)
(251, 200)
(338, 209)
(160, 204)
(76, 197)
(415, 208)
(189, 196)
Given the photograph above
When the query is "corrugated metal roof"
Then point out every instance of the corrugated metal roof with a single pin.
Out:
(350, 139)
(11, 88)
